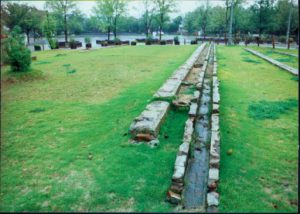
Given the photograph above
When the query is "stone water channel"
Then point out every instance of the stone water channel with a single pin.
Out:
(196, 178)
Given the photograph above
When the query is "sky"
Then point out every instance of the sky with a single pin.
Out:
(135, 7)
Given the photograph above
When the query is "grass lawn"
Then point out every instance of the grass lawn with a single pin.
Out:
(64, 140)
(259, 122)
(285, 59)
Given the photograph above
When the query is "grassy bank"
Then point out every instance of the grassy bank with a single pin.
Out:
(259, 122)
(285, 59)
(64, 140)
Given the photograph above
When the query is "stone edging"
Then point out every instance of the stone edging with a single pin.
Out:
(274, 62)
(214, 161)
(284, 53)
(170, 88)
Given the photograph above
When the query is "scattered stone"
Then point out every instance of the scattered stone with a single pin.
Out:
(188, 130)
(198, 65)
(154, 142)
(143, 137)
(173, 197)
(90, 156)
(150, 119)
(186, 83)
(212, 209)
(216, 108)
(196, 96)
(212, 199)
(193, 109)
(199, 86)
(213, 174)
(181, 160)
(176, 188)
(178, 174)
(184, 149)
(215, 122)
(214, 162)
(230, 151)
(216, 95)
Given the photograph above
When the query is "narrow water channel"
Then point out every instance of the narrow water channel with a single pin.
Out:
(197, 170)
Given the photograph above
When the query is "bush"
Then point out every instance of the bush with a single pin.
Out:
(117, 41)
(72, 43)
(87, 40)
(37, 48)
(162, 42)
(149, 40)
(176, 39)
(133, 43)
(236, 40)
(194, 42)
(19, 57)
(282, 39)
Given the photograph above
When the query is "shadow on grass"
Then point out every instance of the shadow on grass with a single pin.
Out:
(270, 109)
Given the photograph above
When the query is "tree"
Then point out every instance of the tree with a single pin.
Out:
(108, 12)
(76, 22)
(62, 8)
(49, 29)
(148, 15)
(19, 57)
(27, 18)
(262, 15)
(164, 7)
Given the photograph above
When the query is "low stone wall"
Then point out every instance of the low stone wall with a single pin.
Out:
(214, 161)
(274, 62)
(171, 86)
(146, 126)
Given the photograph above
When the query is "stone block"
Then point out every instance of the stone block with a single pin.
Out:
(173, 197)
(150, 119)
(193, 110)
(212, 199)
(213, 174)
(188, 130)
(181, 160)
(215, 122)
(184, 149)
(216, 108)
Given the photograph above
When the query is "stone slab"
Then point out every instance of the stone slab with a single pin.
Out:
(274, 62)
(181, 160)
(215, 122)
(212, 199)
(188, 130)
(193, 109)
(184, 148)
(150, 119)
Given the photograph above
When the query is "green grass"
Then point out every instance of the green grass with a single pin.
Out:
(285, 59)
(65, 143)
(261, 175)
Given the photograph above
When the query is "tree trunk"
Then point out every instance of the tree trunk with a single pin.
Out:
(273, 41)
(115, 28)
(28, 39)
(160, 29)
(66, 28)
(108, 34)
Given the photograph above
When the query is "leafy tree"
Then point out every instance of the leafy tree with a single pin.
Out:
(108, 13)
(164, 7)
(27, 18)
(148, 15)
(49, 29)
(262, 15)
(19, 57)
(62, 9)
(76, 22)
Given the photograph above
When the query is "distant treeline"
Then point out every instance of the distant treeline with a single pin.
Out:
(63, 17)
